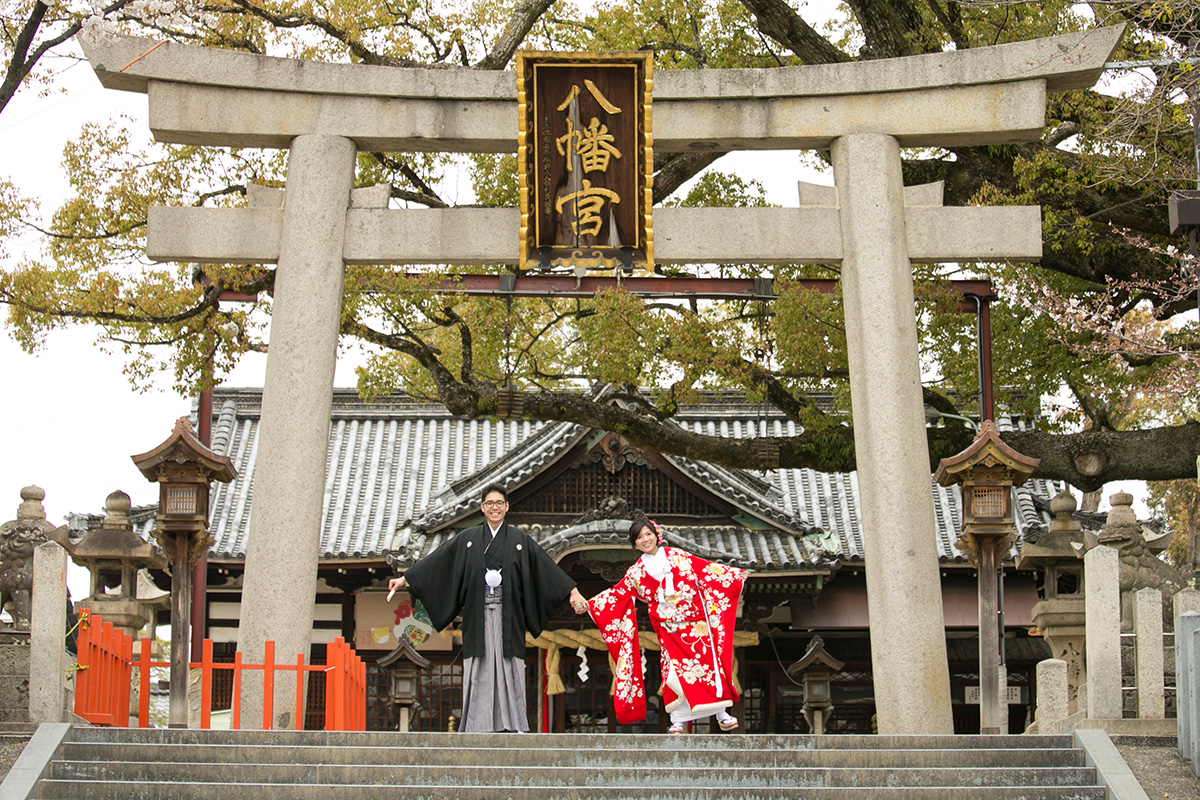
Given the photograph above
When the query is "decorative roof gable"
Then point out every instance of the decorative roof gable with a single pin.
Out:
(405, 473)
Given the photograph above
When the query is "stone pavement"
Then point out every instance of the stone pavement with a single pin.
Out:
(10, 748)
(1156, 763)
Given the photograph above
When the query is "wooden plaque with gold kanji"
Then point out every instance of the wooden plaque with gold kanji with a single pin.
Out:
(585, 159)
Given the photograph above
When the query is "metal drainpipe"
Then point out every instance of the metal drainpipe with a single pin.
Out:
(200, 570)
(987, 410)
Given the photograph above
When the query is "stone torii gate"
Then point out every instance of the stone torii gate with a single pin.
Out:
(864, 112)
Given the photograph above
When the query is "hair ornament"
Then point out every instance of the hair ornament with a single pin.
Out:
(658, 532)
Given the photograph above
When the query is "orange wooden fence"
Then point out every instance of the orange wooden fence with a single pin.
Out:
(106, 665)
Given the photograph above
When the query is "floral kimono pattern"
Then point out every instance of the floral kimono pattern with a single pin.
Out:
(694, 623)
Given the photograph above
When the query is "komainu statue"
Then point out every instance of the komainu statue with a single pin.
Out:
(18, 539)
(1138, 546)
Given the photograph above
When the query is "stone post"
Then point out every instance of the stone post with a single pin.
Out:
(1187, 648)
(1184, 601)
(1192, 644)
(1101, 566)
(289, 483)
(993, 705)
(1052, 707)
(912, 677)
(47, 631)
(1148, 628)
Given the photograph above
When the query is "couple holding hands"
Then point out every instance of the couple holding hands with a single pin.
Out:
(504, 584)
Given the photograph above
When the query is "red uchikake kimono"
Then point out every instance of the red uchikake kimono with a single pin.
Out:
(695, 631)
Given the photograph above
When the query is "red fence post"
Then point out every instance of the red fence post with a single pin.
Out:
(362, 694)
(104, 677)
(300, 691)
(124, 666)
(206, 666)
(83, 657)
(268, 684)
(235, 706)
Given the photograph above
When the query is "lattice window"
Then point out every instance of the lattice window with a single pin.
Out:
(314, 707)
(987, 502)
(381, 711)
(222, 679)
(439, 692)
(578, 490)
(754, 707)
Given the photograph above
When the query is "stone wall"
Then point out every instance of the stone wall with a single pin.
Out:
(14, 680)
(1129, 702)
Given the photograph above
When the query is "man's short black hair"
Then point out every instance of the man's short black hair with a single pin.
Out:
(494, 487)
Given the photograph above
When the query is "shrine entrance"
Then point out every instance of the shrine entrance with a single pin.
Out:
(869, 223)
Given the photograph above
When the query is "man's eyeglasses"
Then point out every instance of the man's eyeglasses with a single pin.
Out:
(494, 503)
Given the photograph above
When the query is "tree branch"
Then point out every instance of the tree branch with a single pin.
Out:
(526, 13)
(777, 19)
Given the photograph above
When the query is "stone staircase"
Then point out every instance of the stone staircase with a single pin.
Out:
(101, 763)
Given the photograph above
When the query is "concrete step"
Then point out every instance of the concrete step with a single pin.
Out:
(83, 790)
(670, 755)
(583, 777)
(174, 764)
(567, 740)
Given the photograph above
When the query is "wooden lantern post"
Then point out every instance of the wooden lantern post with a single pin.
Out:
(183, 469)
(986, 472)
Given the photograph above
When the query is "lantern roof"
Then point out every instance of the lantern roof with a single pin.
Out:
(987, 450)
(114, 540)
(403, 651)
(182, 447)
(817, 657)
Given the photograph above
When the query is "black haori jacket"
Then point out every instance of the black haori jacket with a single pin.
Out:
(449, 581)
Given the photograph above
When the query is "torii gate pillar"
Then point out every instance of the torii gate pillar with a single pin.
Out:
(908, 638)
(284, 542)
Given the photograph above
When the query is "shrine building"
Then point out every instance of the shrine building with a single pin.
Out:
(405, 474)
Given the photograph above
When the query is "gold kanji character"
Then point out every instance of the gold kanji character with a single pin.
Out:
(588, 202)
(594, 92)
(593, 145)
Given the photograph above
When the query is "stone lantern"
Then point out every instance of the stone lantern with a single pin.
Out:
(815, 670)
(1060, 614)
(986, 473)
(183, 469)
(404, 665)
(113, 554)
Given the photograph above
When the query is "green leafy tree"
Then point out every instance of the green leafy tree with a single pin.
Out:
(1106, 321)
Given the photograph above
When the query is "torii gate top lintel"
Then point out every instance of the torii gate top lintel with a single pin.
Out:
(1067, 61)
(223, 97)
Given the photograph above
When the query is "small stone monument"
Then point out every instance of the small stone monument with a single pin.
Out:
(1060, 614)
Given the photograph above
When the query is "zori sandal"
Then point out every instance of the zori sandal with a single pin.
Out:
(727, 724)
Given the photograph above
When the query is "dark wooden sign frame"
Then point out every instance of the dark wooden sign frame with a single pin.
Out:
(585, 159)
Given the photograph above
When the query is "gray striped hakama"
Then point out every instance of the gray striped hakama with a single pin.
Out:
(494, 686)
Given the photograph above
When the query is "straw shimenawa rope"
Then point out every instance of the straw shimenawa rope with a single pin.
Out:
(554, 641)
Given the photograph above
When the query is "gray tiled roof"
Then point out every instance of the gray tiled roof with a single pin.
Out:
(771, 550)
(402, 470)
